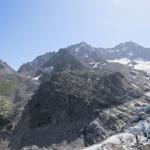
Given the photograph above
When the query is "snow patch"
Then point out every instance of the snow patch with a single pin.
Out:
(134, 72)
(135, 86)
(142, 65)
(77, 49)
(123, 61)
(95, 64)
(147, 94)
(139, 64)
(37, 78)
(49, 69)
(28, 77)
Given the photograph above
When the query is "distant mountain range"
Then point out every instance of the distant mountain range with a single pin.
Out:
(128, 53)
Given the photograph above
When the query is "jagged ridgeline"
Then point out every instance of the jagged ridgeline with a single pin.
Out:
(75, 98)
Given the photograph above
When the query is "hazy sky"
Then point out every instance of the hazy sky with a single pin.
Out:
(32, 27)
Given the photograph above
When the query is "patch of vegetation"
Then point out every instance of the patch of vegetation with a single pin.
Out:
(6, 107)
(7, 87)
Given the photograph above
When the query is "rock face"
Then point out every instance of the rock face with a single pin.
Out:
(72, 107)
(15, 91)
(5, 68)
(130, 50)
(62, 61)
(87, 54)
(14, 85)
(67, 93)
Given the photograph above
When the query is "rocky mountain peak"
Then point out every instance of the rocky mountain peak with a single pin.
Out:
(5, 68)
(81, 47)
(84, 44)
(30, 68)
(63, 60)
(128, 45)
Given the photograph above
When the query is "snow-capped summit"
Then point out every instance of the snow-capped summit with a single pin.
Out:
(129, 53)
(128, 44)
(129, 50)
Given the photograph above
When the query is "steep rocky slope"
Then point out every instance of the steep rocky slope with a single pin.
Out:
(5, 68)
(87, 54)
(130, 50)
(8, 85)
(76, 109)
(31, 68)
(15, 91)
(63, 60)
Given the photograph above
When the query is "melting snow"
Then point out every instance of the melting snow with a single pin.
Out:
(134, 72)
(49, 69)
(77, 49)
(123, 61)
(37, 78)
(142, 65)
(28, 77)
(95, 64)
(135, 86)
(147, 94)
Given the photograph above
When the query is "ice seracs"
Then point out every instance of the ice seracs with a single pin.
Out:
(117, 142)
(132, 137)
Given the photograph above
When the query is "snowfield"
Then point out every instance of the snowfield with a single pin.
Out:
(124, 61)
(138, 64)
(142, 65)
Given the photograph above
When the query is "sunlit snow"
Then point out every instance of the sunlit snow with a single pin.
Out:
(123, 61)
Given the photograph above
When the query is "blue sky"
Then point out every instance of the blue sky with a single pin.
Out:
(32, 27)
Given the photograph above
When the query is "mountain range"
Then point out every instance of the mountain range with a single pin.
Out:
(128, 53)
(77, 97)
